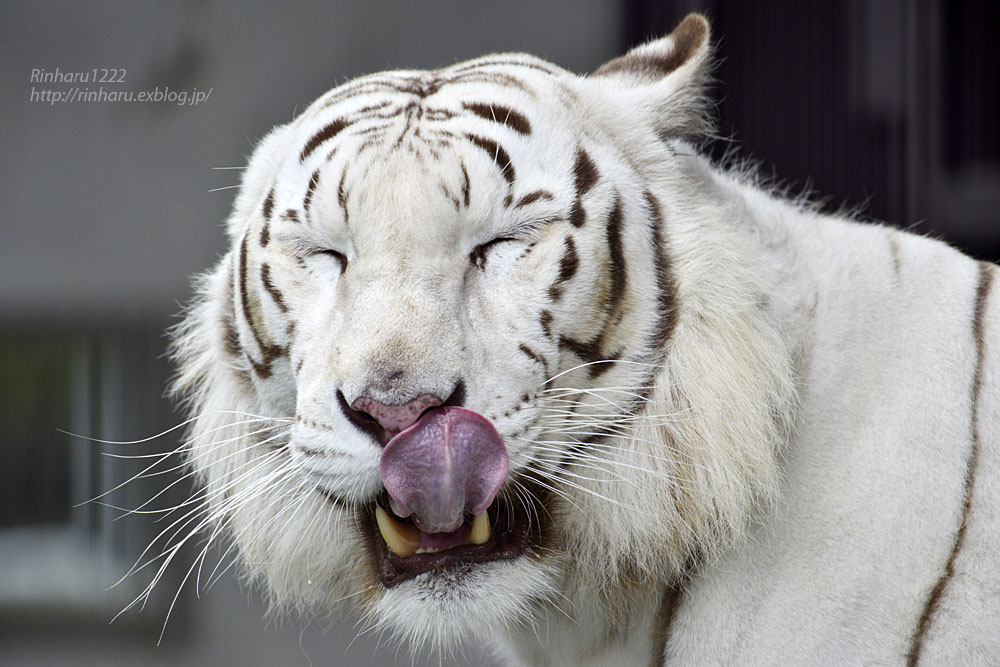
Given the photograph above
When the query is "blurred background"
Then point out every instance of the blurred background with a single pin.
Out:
(107, 208)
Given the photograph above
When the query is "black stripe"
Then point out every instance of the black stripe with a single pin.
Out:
(666, 300)
(545, 319)
(617, 271)
(366, 86)
(534, 196)
(569, 262)
(584, 172)
(500, 114)
(268, 351)
(265, 231)
(291, 215)
(438, 114)
(978, 332)
(364, 111)
(531, 354)
(670, 602)
(452, 198)
(466, 186)
(328, 132)
(577, 216)
(269, 204)
(342, 195)
(590, 353)
(265, 277)
(503, 63)
(502, 79)
(584, 176)
(230, 338)
(500, 158)
(310, 189)
(618, 279)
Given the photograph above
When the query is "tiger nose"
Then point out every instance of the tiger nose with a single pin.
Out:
(396, 418)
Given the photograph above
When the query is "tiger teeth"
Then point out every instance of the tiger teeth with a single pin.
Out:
(401, 539)
(480, 532)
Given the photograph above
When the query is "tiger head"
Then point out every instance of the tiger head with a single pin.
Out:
(467, 359)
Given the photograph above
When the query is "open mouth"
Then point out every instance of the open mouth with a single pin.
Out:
(403, 551)
(441, 508)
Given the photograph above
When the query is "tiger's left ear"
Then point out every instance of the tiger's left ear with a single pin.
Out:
(668, 77)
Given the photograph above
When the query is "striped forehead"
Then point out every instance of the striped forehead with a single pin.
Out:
(489, 106)
(386, 109)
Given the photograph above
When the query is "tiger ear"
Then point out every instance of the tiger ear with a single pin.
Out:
(668, 77)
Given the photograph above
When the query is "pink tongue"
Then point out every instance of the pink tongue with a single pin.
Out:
(449, 464)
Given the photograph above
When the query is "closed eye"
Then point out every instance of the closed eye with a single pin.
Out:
(339, 257)
(478, 255)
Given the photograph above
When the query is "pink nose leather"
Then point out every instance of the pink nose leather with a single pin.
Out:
(395, 418)
(449, 464)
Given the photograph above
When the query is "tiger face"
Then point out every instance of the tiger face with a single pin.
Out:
(434, 377)
(426, 275)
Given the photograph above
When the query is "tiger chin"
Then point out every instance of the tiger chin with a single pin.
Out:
(496, 357)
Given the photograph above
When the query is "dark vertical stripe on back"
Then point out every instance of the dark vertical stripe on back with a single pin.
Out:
(665, 614)
(978, 332)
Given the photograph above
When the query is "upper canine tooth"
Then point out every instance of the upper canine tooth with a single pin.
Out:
(402, 540)
(480, 532)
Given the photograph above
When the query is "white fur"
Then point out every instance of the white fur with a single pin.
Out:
(796, 465)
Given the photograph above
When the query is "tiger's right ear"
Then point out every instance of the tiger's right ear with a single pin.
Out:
(668, 77)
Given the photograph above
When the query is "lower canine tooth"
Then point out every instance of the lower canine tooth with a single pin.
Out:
(402, 540)
(480, 529)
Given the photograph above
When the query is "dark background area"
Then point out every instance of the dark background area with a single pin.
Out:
(888, 107)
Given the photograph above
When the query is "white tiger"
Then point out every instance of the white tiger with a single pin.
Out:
(498, 358)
